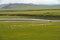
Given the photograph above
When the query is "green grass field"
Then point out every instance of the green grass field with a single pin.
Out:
(41, 12)
(29, 30)
(13, 17)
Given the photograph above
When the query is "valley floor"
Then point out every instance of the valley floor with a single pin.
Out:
(29, 30)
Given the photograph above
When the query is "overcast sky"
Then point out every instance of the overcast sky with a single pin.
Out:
(31, 1)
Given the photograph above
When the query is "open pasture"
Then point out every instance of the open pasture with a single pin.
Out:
(39, 14)
(29, 30)
(33, 12)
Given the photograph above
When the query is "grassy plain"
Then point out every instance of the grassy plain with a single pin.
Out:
(37, 12)
(13, 17)
(29, 30)
(42, 14)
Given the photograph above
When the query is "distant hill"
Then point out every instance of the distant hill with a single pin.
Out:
(21, 6)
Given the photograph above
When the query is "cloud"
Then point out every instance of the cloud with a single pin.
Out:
(31, 1)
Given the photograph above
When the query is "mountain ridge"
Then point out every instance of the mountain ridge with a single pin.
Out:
(22, 6)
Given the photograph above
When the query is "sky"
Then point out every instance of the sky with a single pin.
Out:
(47, 2)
